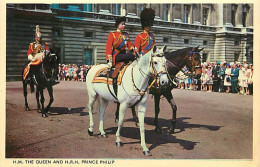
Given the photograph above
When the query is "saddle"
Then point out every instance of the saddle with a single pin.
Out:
(111, 76)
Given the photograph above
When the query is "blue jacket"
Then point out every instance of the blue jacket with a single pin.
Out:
(234, 77)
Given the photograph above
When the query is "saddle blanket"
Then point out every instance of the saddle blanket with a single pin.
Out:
(101, 75)
(27, 68)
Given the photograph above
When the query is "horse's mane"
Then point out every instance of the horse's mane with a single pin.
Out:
(179, 52)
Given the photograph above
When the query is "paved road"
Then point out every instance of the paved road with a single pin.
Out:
(209, 126)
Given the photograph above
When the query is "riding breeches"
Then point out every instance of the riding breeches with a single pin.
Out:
(125, 57)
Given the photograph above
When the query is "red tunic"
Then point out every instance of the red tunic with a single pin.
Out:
(33, 46)
(116, 43)
(144, 42)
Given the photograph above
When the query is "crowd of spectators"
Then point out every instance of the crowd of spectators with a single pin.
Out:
(73, 72)
(234, 77)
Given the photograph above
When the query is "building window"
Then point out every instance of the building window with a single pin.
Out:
(205, 16)
(88, 7)
(236, 57)
(89, 34)
(57, 32)
(72, 7)
(186, 41)
(116, 9)
(88, 58)
(237, 42)
(165, 12)
(233, 15)
(205, 42)
(33, 6)
(244, 14)
(186, 13)
(204, 57)
(166, 40)
(142, 6)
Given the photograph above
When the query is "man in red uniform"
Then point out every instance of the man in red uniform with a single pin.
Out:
(145, 41)
(36, 52)
(117, 43)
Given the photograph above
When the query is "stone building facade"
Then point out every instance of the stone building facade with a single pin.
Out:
(79, 31)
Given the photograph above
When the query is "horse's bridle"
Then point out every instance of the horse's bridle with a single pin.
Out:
(154, 74)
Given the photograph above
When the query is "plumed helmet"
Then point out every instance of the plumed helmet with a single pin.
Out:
(119, 20)
(147, 17)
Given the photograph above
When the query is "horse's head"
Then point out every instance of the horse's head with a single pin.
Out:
(50, 64)
(158, 64)
(192, 58)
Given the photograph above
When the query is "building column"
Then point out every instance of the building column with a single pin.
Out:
(239, 16)
(219, 15)
(250, 17)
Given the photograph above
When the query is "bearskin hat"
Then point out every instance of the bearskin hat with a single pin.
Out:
(119, 20)
(147, 17)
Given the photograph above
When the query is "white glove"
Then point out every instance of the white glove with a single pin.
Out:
(30, 57)
(109, 64)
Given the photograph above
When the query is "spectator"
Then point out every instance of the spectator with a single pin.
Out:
(250, 82)
(227, 79)
(234, 77)
(204, 80)
(221, 76)
(241, 80)
(210, 81)
(216, 79)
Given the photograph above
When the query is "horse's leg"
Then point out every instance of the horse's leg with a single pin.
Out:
(50, 91)
(103, 105)
(25, 95)
(169, 97)
(91, 101)
(44, 115)
(157, 110)
(122, 109)
(37, 99)
(117, 112)
(134, 116)
(141, 114)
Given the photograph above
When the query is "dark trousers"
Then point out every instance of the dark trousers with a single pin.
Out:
(233, 86)
(125, 57)
(221, 86)
(216, 83)
(250, 87)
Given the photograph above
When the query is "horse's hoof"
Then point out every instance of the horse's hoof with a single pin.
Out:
(147, 153)
(44, 115)
(90, 133)
(27, 109)
(171, 131)
(39, 110)
(158, 130)
(104, 136)
(119, 144)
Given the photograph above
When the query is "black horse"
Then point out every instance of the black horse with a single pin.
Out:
(43, 76)
(189, 57)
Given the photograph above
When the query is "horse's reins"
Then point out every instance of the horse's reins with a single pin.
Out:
(154, 75)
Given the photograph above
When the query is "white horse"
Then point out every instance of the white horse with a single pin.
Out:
(132, 91)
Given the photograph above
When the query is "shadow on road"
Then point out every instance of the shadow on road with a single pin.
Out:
(181, 124)
(65, 110)
(152, 137)
(159, 139)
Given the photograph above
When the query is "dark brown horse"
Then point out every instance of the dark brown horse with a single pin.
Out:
(189, 57)
(42, 76)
